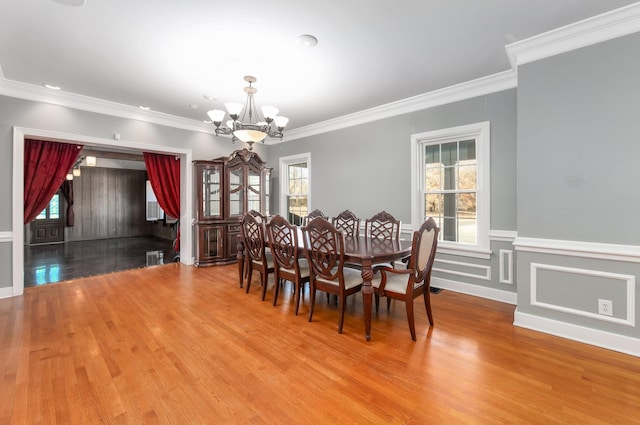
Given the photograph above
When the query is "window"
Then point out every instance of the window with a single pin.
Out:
(52, 211)
(450, 182)
(294, 173)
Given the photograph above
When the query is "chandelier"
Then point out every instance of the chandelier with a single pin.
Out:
(251, 127)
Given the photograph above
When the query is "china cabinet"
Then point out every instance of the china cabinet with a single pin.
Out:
(226, 189)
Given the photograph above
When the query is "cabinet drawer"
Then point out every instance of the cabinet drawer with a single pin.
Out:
(234, 228)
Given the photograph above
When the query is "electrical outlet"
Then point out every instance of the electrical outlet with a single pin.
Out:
(605, 307)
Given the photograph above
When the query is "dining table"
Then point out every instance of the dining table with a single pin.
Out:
(362, 252)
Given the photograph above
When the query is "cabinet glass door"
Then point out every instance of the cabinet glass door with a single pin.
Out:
(211, 199)
(253, 192)
(236, 193)
(212, 242)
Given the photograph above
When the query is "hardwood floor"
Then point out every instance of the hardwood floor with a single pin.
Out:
(72, 260)
(174, 344)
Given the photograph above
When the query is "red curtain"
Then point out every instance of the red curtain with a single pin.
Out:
(164, 175)
(46, 165)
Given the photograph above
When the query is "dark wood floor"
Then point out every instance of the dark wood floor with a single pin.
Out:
(72, 260)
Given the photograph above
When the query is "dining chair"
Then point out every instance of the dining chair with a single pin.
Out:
(313, 214)
(253, 235)
(347, 222)
(285, 248)
(382, 226)
(408, 284)
(324, 248)
(259, 215)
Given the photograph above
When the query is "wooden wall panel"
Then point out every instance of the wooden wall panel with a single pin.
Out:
(109, 203)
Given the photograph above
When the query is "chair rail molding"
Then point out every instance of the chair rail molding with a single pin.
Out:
(6, 236)
(603, 251)
(503, 235)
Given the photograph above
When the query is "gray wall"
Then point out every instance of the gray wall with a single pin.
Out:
(366, 168)
(578, 174)
(579, 144)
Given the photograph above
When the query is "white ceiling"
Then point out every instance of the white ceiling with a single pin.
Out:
(167, 54)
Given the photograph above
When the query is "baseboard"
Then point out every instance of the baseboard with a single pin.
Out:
(6, 292)
(476, 290)
(598, 338)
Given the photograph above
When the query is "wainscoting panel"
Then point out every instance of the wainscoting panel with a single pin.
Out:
(612, 285)
(506, 266)
(460, 268)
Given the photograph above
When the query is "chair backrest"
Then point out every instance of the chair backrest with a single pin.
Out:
(254, 238)
(257, 214)
(313, 214)
(423, 249)
(382, 226)
(283, 241)
(324, 246)
(347, 222)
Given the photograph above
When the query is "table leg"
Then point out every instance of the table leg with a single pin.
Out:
(367, 297)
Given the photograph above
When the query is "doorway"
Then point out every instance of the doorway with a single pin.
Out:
(19, 134)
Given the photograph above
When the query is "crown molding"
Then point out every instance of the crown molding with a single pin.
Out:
(603, 27)
(486, 85)
(85, 103)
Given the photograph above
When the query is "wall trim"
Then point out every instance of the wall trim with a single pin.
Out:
(476, 290)
(503, 235)
(603, 27)
(468, 90)
(6, 236)
(630, 281)
(506, 265)
(6, 292)
(603, 251)
(486, 269)
(598, 338)
(91, 104)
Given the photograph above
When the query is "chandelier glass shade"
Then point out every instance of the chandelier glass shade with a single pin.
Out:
(252, 126)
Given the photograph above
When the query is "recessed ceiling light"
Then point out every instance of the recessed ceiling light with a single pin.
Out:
(51, 86)
(206, 96)
(144, 107)
(307, 40)
(194, 106)
(71, 2)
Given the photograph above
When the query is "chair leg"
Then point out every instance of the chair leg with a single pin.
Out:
(298, 289)
(412, 325)
(276, 290)
(377, 299)
(312, 301)
(264, 277)
(427, 304)
(388, 304)
(249, 276)
(343, 305)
